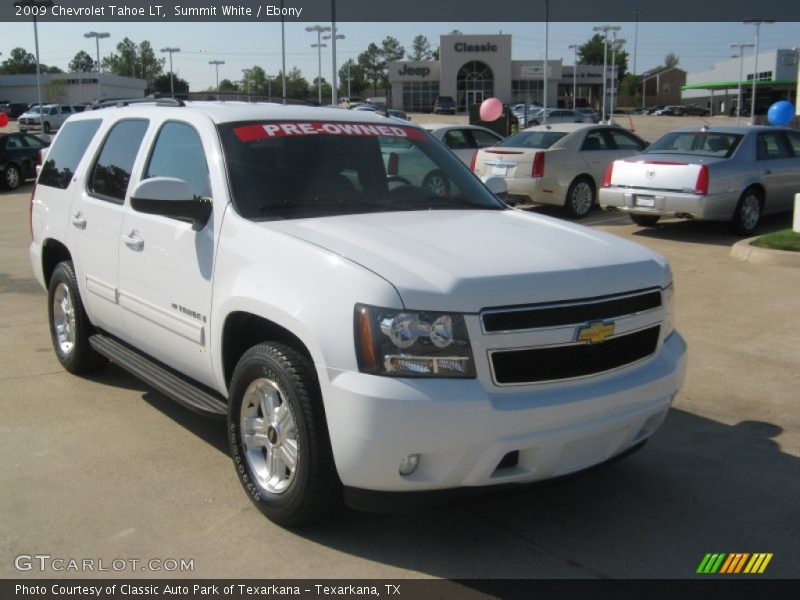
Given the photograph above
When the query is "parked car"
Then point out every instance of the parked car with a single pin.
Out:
(556, 115)
(638, 111)
(52, 117)
(672, 110)
(713, 173)
(652, 109)
(444, 105)
(561, 164)
(368, 107)
(695, 110)
(359, 334)
(397, 114)
(19, 155)
(590, 114)
(463, 140)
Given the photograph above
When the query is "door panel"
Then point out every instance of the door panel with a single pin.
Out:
(778, 168)
(165, 277)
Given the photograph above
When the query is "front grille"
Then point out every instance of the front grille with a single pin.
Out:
(580, 311)
(535, 365)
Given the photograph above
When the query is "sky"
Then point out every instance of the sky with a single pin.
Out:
(242, 45)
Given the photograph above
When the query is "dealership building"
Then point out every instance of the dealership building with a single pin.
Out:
(716, 88)
(472, 68)
(69, 88)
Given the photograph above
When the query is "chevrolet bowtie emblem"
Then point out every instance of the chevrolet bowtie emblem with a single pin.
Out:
(596, 332)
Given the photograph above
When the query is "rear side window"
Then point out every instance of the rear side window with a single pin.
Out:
(625, 141)
(63, 158)
(771, 146)
(484, 139)
(456, 139)
(794, 141)
(112, 170)
(178, 152)
(595, 140)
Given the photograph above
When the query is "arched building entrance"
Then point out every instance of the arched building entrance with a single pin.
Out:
(474, 83)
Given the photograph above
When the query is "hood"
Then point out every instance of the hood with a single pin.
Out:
(467, 260)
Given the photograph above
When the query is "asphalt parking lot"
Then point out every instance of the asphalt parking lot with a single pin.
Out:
(106, 468)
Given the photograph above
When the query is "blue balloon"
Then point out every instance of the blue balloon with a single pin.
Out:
(780, 113)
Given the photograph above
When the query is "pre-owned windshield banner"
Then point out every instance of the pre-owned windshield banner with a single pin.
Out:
(250, 133)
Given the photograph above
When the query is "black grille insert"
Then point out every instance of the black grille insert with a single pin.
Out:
(564, 362)
(568, 314)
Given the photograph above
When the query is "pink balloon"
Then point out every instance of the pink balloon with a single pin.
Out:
(3, 119)
(491, 109)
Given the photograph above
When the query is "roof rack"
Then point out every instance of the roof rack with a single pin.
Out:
(156, 101)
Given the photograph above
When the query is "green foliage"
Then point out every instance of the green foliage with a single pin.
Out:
(591, 53)
(135, 60)
(161, 84)
(358, 82)
(22, 62)
(296, 85)
(226, 85)
(671, 60)
(420, 48)
(82, 62)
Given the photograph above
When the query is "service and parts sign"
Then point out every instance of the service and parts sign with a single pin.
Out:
(251, 133)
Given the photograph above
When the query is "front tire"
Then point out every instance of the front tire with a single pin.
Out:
(70, 327)
(580, 198)
(747, 215)
(645, 220)
(279, 436)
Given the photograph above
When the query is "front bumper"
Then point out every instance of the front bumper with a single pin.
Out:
(462, 429)
(715, 207)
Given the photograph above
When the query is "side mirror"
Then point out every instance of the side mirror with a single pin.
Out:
(496, 185)
(173, 198)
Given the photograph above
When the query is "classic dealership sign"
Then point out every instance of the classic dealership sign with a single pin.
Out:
(465, 47)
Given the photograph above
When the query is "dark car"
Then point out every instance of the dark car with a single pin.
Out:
(397, 114)
(19, 155)
(695, 110)
(444, 105)
(651, 109)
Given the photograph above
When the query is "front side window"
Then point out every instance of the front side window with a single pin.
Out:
(112, 170)
(178, 152)
(66, 152)
(290, 170)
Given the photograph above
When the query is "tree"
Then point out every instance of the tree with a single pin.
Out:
(161, 84)
(296, 85)
(132, 60)
(630, 85)
(420, 49)
(326, 89)
(255, 81)
(358, 81)
(591, 53)
(19, 62)
(455, 32)
(392, 50)
(226, 85)
(374, 67)
(81, 63)
(671, 60)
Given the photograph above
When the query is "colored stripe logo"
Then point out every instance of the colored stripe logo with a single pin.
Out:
(734, 563)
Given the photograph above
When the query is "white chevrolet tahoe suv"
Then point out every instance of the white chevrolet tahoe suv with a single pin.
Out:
(276, 267)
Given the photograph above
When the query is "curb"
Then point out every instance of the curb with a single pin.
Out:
(742, 250)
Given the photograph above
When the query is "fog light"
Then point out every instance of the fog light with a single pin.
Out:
(409, 464)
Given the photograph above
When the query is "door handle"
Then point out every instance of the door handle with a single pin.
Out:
(133, 241)
(767, 171)
(78, 220)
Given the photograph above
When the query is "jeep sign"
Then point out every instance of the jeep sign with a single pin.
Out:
(419, 71)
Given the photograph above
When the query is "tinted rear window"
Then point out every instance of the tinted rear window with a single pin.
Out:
(532, 139)
(63, 158)
(699, 143)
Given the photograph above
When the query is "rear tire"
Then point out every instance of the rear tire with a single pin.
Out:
(12, 177)
(747, 215)
(278, 436)
(70, 327)
(580, 198)
(645, 220)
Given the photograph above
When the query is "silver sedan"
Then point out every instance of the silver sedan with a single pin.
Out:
(714, 173)
(463, 140)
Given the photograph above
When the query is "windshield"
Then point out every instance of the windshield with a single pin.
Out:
(699, 143)
(292, 170)
(33, 111)
(532, 139)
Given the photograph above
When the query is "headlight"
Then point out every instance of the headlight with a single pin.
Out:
(668, 295)
(405, 343)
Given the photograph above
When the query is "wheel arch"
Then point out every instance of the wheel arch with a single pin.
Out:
(53, 252)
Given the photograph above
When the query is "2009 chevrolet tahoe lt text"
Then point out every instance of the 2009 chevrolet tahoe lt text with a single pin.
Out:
(287, 269)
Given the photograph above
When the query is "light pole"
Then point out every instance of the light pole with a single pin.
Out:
(636, 12)
(615, 45)
(574, 76)
(171, 51)
(97, 37)
(269, 85)
(216, 64)
(319, 46)
(741, 46)
(283, 55)
(546, 44)
(605, 29)
(334, 91)
(758, 23)
(39, 4)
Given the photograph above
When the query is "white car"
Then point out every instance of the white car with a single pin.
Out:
(463, 140)
(561, 164)
(358, 334)
(51, 118)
